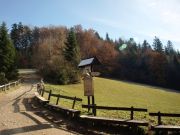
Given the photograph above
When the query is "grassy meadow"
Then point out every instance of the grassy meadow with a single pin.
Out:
(123, 94)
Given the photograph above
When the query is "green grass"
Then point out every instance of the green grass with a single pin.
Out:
(123, 94)
(26, 71)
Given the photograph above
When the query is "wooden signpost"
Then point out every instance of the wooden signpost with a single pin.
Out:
(88, 74)
(88, 85)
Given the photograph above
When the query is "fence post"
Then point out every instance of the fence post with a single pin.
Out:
(132, 112)
(49, 95)
(159, 118)
(42, 90)
(94, 109)
(88, 103)
(57, 101)
(74, 103)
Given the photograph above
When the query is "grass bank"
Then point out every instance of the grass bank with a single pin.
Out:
(123, 94)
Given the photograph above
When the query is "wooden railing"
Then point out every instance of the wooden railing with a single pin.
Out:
(131, 109)
(159, 115)
(59, 96)
(9, 85)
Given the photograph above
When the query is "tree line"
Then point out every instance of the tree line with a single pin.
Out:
(56, 51)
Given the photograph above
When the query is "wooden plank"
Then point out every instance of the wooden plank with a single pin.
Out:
(66, 97)
(47, 91)
(166, 127)
(55, 95)
(71, 98)
(137, 122)
(114, 121)
(165, 114)
(63, 108)
(115, 108)
(40, 98)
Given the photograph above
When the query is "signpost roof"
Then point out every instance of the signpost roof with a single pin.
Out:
(89, 62)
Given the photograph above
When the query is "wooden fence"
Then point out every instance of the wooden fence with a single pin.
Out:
(131, 109)
(58, 96)
(9, 85)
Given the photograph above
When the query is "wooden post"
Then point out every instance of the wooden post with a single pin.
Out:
(88, 103)
(93, 102)
(74, 103)
(57, 101)
(159, 118)
(132, 112)
(94, 109)
(42, 94)
(49, 95)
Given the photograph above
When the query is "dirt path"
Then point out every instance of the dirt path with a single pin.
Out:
(20, 114)
(17, 116)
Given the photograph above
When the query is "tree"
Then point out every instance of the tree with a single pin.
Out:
(7, 55)
(107, 37)
(158, 46)
(22, 38)
(145, 45)
(72, 57)
(97, 35)
(71, 51)
(169, 50)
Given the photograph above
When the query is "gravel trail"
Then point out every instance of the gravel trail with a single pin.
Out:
(18, 117)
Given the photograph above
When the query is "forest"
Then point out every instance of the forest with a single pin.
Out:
(56, 51)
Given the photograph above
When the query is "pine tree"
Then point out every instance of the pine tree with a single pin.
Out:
(7, 54)
(108, 38)
(145, 45)
(169, 48)
(72, 56)
(71, 51)
(158, 46)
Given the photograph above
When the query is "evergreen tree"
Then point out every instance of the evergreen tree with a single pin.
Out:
(7, 54)
(97, 35)
(72, 56)
(71, 51)
(169, 48)
(22, 38)
(107, 37)
(157, 45)
(145, 45)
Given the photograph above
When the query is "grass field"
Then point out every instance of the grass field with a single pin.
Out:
(27, 71)
(123, 94)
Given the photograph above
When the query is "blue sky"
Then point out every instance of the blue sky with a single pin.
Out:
(140, 19)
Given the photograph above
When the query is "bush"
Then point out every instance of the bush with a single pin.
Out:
(3, 79)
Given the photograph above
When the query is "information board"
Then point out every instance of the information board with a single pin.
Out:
(88, 86)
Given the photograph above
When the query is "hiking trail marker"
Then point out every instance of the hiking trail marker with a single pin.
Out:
(87, 66)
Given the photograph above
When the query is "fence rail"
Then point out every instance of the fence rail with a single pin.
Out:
(9, 85)
(131, 109)
(58, 96)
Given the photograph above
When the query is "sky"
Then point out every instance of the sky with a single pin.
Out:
(139, 19)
